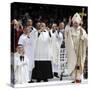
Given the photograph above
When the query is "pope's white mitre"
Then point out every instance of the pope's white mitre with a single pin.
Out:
(76, 18)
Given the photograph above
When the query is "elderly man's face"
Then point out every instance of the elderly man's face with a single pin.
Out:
(16, 24)
(75, 24)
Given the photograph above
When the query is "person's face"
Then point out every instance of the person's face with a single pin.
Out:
(61, 25)
(16, 24)
(54, 26)
(29, 22)
(75, 24)
(25, 30)
(29, 30)
(43, 26)
(38, 26)
(20, 50)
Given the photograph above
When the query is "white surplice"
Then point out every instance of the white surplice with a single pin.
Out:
(21, 69)
(56, 44)
(43, 47)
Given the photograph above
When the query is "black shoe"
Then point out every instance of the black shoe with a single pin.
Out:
(38, 80)
(45, 80)
(31, 81)
(61, 77)
(56, 74)
(73, 82)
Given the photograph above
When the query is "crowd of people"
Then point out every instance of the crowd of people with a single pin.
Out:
(36, 49)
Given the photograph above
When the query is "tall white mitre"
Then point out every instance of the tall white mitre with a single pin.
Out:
(76, 18)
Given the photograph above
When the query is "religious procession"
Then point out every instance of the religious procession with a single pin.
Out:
(48, 43)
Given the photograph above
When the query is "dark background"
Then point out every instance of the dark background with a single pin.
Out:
(46, 12)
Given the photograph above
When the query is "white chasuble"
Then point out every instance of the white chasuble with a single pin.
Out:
(76, 44)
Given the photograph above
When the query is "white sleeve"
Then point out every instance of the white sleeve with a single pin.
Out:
(85, 37)
(35, 35)
(27, 62)
(60, 38)
(67, 28)
(67, 31)
(16, 64)
(21, 41)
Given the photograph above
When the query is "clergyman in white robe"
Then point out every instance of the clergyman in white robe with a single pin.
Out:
(76, 44)
(43, 68)
(57, 39)
(28, 41)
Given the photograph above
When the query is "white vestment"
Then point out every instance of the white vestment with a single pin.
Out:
(76, 48)
(21, 69)
(56, 44)
(43, 64)
(43, 47)
(29, 47)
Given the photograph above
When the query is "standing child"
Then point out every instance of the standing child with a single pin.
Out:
(21, 66)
